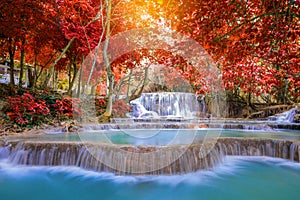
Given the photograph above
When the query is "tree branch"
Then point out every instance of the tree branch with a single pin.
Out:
(253, 19)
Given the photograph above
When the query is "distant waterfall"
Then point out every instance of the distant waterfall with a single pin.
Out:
(138, 160)
(173, 104)
(287, 116)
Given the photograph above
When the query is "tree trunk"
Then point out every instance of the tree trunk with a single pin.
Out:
(30, 78)
(79, 81)
(286, 87)
(110, 75)
(54, 80)
(51, 70)
(11, 51)
(93, 89)
(22, 62)
(129, 84)
(138, 91)
(280, 97)
(96, 54)
(249, 99)
(72, 80)
(69, 75)
(35, 73)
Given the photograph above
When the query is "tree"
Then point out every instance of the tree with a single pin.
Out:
(253, 42)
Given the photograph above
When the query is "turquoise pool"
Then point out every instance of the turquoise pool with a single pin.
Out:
(237, 178)
(163, 136)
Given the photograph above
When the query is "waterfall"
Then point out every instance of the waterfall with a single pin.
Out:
(287, 116)
(121, 159)
(260, 147)
(144, 159)
(175, 104)
(139, 111)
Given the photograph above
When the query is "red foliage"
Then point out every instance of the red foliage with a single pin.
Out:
(100, 105)
(120, 108)
(65, 107)
(26, 110)
(253, 42)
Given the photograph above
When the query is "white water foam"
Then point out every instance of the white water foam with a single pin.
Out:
(230, 166)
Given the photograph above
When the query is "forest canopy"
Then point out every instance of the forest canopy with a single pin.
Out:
(254, 44)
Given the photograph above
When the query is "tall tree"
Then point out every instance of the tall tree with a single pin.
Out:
(253, 42)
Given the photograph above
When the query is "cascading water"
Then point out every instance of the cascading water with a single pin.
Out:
(173, 104)
(285, 117)
(193, 158)
(139, 111)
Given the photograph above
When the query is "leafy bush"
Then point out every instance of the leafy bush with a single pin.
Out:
(50, 99)
(26, 110)
(100, 104)
(120, 108)
(64, 107)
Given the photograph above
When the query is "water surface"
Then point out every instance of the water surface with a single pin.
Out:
(164, 136)
(237, 178)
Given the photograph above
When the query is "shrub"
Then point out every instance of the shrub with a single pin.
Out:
(120, 108)
(68, 107)
(49, 98)
(100, 104)
(26, 110)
